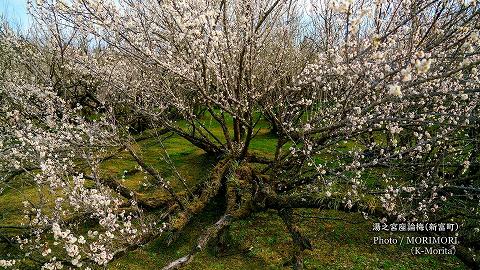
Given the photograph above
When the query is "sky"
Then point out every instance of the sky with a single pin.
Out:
(15, 11)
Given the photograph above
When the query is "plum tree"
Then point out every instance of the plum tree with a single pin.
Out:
(374, 106)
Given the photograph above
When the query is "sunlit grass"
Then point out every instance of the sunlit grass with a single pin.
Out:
(260, 241)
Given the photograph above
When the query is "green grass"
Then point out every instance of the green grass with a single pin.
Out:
(260, 241)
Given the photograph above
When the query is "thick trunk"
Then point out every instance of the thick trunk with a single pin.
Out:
(202, 242)
(198, 204)
(203, 144)
(300, 242)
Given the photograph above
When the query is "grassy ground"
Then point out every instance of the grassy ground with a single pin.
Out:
(261, 242)
(258, 242)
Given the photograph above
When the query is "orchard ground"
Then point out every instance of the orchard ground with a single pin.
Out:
(260, 241)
